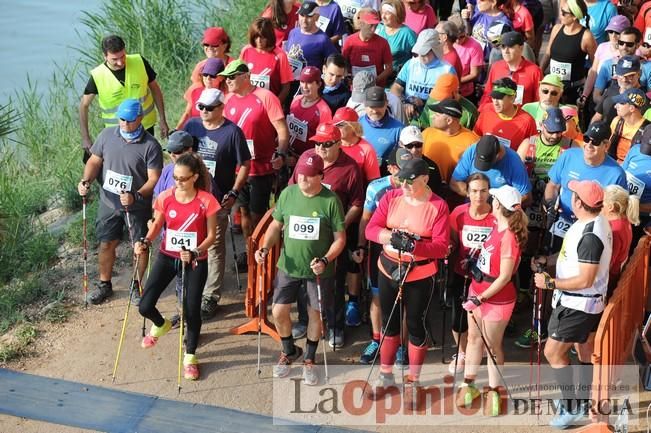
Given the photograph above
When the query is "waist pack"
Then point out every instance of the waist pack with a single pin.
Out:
(398, 270)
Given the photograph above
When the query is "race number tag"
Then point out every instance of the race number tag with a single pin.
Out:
(176, 240)
(304, 228)
(563, 70)
(297, 128)
(211, 166)
(370, 69)
(297, 67)
(484, 261)
(473, 237)
(519, 94)
(535, 216)
(249, 144)
(348, 9)
(261, 81)
(647, 35)
(322, 23)
(635, 185)
(560, 228)
(116, 182)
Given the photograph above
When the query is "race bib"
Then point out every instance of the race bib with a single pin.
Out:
(304, 228)
(371, 69)
(116, 182)
(297, 128)
(261, 81)
(504, 141)
(211, 166)
(647, 35)
(562, 69)
(297, 67)
(322, 23)
(519, 94)
(560, 228)
(348, 10)
(249, 144)
(176, 240)
(484, 261)
(535, 216)
(473, 237)
(327, 185)
(635, 185)
(585, 304)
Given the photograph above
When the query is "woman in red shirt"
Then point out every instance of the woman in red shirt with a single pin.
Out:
(470, 224)
(211, 80)
(411, 223)
(492, 294)
(188, 213)
(354, 145)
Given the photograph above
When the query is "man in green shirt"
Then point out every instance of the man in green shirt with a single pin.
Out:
(310, 218)
(549, 96)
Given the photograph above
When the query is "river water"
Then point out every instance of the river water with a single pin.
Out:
(34, 36)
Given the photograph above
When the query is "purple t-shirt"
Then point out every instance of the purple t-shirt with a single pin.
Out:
(311, 49)
(480, 24)
(331, 21)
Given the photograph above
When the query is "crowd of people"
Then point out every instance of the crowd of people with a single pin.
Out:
(393, 139)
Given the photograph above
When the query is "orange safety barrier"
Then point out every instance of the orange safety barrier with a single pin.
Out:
(619, 324)
(268, 272)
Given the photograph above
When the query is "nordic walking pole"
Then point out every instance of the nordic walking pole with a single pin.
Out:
(85, 255)
(260, 302)
(124, 322)
(182, 326)
(464, 295)
(323, 337)
(538, 330)
(443, 293)
(402, 318)
(237, 269)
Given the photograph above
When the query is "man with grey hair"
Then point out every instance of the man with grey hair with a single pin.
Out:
(448, 34)
(364, 80)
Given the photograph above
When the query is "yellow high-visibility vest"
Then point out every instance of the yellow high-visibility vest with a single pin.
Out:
(111, 92)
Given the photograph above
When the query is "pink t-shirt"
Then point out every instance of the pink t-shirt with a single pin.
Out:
(471, 54)
(522, 20)
(269, 70)
(604, 52)
(254, 114)
(421, 20)
(302, 122)
(365, 157)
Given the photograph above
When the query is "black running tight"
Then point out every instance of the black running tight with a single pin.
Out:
(165, 269)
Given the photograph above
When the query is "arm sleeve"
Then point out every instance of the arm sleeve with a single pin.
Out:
(589, 249)
(403, 75)
(437, 246)
(277, 213)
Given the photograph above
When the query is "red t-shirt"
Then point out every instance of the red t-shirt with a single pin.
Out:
(510, 132)
(452, 57)
(254, 113)
(365, 157)
(185, 223)
(472, 233)
(292, 20)
(527, 76)
(364, 55)
(498, 246)
(269, 70)
(302, 122)
(622, 238)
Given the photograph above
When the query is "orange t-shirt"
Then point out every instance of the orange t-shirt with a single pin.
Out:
(446, 150)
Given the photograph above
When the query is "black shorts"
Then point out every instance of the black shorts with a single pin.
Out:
(287, 288)
(345, 262)
(568, 325)
(110, 224)
(256, 193)
(374, 255)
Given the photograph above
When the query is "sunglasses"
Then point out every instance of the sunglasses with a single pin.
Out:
(402, 180)
(628, 44)
(127, 121)
(211, 46)
(326, 144)
(415, 144)
(182, 179)
(234, 76)
(592, 141)
(208, 108)
(612, 32)
(549, 92)
(209, 75)
(180, 152)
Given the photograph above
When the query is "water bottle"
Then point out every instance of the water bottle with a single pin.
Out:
(621, 425)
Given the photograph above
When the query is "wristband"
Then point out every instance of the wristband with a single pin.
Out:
(324, 260)
(264, 250)
(136, 195)
(195, 253)
(145, 241)
(233, 193)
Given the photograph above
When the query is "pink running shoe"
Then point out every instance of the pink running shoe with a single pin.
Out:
(191, 371)
(148, 342)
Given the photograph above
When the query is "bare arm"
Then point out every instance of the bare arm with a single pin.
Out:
(388, 70)
(242, 176)
(472, 76)
(284, 91)
(92, 168)
(160, 107)
(352, 215)
(283, 134)
(272, 235)
(337, 246)
(551, 191)
(506, 273)
(459, 187)
(397, 90)
(84, 105)
(523, 148)
(544, 62)
(185, 116)
(585, 278)
(148, 188)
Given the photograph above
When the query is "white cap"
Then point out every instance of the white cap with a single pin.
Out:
(508, 196)
(428, 40)
(410, 134)
(211, 97)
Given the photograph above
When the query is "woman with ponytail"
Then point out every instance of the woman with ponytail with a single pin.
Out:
(492, 295)
(188, 213)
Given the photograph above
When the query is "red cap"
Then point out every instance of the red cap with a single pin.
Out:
(326, 132)
(214, 36)
(589, 191)
(310, 74)
(370, 17)
(309, 164)
(345, 114)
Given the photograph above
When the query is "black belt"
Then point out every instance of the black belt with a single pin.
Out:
(479, 276)
(581, 295)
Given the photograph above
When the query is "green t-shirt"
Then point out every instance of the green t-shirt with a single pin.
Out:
(469, 114)
(309, 224)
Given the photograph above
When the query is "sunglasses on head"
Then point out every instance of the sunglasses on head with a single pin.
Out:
(415, 144)
(628, 44)
(326, 144)
(209, 75)
(208, 108)
(549, 92)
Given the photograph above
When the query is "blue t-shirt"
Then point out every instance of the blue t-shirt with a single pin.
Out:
(571, 165)
(418, 79)
(607, 71)
(507, 171)
(222, 150)
(331, 21)
(638, 174)
(382, 135)
(374, 192)
(310, 49)
(401, 43)
(600, 14)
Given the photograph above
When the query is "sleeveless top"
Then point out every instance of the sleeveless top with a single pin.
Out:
(567, 57)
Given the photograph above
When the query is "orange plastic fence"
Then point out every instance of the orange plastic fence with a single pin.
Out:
(620, 322)
(268, 273)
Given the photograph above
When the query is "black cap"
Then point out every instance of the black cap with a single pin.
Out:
(486, 152)
(598, 131)
(412, 169)
(503, 87)
(448, 106)
(512, 38)
(178, 141)
(375, 97)
(308, 8)
(399, 156)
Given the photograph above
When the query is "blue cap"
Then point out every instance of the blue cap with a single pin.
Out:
(129, 110)
(634, 97)
(627, 65)
(554, 121)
